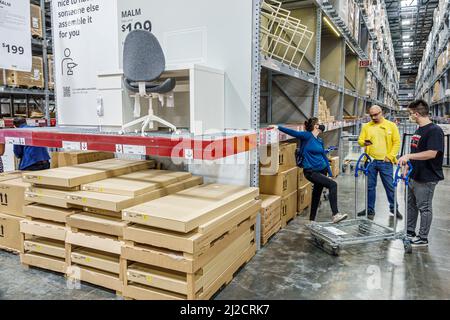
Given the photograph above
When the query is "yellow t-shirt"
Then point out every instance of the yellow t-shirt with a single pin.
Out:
(385, 140)
(378, 150)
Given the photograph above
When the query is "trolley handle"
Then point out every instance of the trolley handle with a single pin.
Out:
(399, 176)
(363, 169)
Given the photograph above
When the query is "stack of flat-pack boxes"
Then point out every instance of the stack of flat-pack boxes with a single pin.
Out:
(45, 229)
(189, 244)
(72, 158)
(304, 192)
(324, 111)
(283, 182)
(30, 79)
(95, 237)
(12, 190)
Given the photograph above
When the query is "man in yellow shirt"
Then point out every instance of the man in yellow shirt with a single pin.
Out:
(381, 140)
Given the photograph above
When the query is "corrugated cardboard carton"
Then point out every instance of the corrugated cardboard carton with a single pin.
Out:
(45, 229)
(301, 178)
(282, 184)
(80, 157)
(277, 158)
(45, 246)
(97, 223)
(96, 259)
(334, 164)
(12, 197)
(10, 237)
(49, 213)
(304, 197)
(188, 209)
(36, 20)
(288, 208)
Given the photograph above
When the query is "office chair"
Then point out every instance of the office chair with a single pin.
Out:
(143, 64)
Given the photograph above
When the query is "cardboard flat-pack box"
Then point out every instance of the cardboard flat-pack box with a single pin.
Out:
(162, 178)
(186, 210)
(334, 164)
(12, 196)
(117, 167)
(65, 176)
(277, 157)
(36, 21)
(96, 241)
(304, 197)
(10, 237)
(97, 223)
(44, 261)
(269, 205)
(282, 184)
(120, 186)
(111, 202)
(49, 213)
(45, 229)
(50, 197)
(288, 207)
(96, 259)
(72, 158)
(45, 246)
(301, 178)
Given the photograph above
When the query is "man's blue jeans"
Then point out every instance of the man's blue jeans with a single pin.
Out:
(386, 171)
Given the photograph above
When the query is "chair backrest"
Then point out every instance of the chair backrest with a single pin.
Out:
(143, 57)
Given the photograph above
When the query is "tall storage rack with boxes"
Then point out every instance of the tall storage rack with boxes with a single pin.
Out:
(30, 94)
(432, 82)
(311, 59)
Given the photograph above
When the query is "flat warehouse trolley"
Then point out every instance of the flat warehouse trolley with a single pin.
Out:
(331, 237)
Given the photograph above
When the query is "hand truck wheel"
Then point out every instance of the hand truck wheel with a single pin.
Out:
(407, 245)
(335, 251)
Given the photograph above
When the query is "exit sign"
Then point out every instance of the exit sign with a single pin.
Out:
(364, 63)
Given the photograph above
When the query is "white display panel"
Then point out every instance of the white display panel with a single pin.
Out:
(85, 42)
(15, 35)
(217, 36)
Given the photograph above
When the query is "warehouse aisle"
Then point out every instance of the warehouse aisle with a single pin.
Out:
(291, 267)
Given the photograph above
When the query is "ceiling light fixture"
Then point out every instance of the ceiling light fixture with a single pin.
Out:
(331, 26)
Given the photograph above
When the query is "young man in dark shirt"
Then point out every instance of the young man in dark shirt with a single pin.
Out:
(427, 155)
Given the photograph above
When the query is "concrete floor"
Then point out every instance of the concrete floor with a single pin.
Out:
(291, 267)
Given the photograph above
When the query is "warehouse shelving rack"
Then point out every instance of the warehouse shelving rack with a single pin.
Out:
(316, 78)
(428, 77)
(43, 97)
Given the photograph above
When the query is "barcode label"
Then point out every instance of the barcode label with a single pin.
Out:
(71, 145)
(14, 140)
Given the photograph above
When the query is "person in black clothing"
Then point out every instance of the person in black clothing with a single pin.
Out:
(427, 156)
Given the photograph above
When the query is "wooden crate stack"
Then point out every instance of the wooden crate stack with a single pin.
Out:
(45, 227)
(189, 244)
(95, 238)
(283, 183)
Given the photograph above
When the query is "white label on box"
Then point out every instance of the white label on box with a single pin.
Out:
(335, 231)
(35, 23)
(130, 149)
(36, 74)
(71, 145)
(18, 141)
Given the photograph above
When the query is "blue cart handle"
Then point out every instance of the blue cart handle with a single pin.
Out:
(399, 176)
(363, 169)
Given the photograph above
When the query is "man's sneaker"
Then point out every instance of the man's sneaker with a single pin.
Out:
(371, 216)
(399, 215)
(419, 242)
(363, 213)
(411, 235)
(338, 217)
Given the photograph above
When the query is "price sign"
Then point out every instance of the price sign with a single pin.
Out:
(15, 35)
